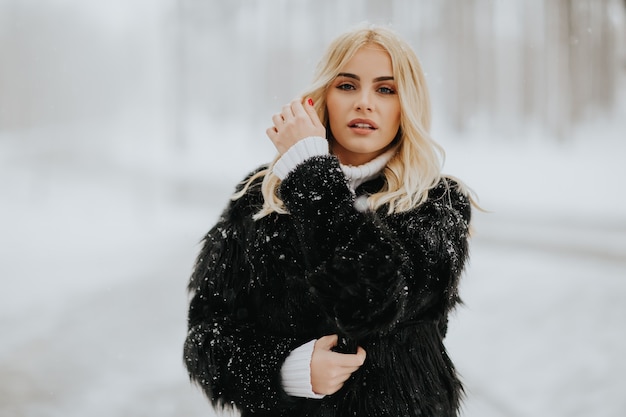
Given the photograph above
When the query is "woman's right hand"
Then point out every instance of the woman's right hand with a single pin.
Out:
(295, 122)
(329, 369)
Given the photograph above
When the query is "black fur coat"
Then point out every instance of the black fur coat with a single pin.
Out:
(260, 289)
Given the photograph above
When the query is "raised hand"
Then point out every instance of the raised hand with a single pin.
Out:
(295, 122)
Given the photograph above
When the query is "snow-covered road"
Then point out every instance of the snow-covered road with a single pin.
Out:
(542, 330)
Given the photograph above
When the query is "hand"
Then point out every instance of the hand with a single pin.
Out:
(330, 370)
(295, 122)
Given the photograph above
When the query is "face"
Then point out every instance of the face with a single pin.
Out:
(363, 107)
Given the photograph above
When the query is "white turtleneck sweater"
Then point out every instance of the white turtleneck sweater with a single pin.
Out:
(315, 146)
(296, 371)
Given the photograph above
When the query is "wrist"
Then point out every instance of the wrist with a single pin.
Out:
(298, 153)
(296, 372)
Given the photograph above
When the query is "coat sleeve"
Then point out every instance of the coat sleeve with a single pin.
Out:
(223, 353)
(436, 239)
(369, 273)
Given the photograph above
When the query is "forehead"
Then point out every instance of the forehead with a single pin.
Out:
(370, 58)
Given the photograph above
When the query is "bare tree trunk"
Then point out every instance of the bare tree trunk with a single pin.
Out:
(488, 59)
(607, 64)
(456, 42)
(533, 55)
(558, 98)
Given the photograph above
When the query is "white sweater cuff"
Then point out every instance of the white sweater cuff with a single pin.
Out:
(296, 372)
(298, 153)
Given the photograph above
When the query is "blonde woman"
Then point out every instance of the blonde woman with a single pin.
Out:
(325, 286)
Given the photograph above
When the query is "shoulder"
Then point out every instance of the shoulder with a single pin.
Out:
(253, 179)
(452, 192)
(449, 197)
(248, 198)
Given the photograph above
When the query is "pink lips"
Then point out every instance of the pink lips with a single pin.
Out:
(362, 124)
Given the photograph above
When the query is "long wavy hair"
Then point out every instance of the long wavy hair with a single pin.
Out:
(416, 166)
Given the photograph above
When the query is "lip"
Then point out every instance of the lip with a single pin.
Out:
(354, 122)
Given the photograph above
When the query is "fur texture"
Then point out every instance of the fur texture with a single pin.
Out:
(262, 288)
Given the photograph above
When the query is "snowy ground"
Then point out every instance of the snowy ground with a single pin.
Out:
(96, 253)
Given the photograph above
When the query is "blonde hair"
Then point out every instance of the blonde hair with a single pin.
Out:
(416, 165)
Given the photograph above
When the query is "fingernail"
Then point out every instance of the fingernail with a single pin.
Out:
(310, 101)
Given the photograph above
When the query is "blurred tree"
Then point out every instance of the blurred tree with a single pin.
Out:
(512, 64)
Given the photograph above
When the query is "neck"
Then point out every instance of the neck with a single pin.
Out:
(359, 174)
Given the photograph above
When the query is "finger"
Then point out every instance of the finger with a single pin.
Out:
(287, 112)
(271, 132)
(361, 354)
(310, 110)
(277, 119)
(298, 110)
(348, 364)
(351, 360)
(327, 342)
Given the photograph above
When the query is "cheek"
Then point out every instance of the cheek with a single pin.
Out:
(334, 109)
(394, 114)
(331, 99)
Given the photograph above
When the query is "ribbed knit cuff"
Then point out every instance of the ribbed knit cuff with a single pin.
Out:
(298, 153)
(296, 372)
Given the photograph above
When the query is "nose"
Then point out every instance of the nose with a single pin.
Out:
(364, 101)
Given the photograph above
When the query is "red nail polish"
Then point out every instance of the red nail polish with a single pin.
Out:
(310, 101)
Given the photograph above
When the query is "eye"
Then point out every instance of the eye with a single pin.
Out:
(345, 86)
(386, 90)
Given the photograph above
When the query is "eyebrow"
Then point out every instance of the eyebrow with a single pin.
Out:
(356, 77)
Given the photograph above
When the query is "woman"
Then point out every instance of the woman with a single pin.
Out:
(324, 288)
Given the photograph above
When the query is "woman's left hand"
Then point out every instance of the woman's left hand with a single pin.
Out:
(295, 122)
